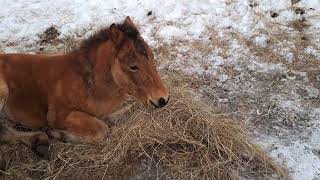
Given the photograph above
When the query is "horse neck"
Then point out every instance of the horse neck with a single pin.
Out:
(104, 85)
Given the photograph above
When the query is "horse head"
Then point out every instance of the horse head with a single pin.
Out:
(133, 68)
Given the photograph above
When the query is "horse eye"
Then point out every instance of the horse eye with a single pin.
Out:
(133, 68)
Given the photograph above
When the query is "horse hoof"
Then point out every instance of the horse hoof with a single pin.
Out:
(110, 123)
(40, 145)
(42, 150)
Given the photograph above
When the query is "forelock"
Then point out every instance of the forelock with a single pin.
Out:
(133, 34)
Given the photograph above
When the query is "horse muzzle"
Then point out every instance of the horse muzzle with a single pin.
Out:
(160, 102)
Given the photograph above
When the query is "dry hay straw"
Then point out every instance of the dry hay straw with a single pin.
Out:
(184, 140)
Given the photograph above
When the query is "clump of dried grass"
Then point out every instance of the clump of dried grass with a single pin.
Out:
(184, 140)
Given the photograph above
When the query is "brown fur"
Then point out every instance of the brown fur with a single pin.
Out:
(72, 92)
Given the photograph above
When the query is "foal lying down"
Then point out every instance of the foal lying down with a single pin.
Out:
(69, 94)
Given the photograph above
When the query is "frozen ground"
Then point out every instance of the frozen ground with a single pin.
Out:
(257, 60)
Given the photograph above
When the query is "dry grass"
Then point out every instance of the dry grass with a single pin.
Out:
(184, 140)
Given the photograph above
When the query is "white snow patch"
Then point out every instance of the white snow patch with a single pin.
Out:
(172, 32)
(312, 91)
(311, 50)
(261, 41)
(301, 158)
(315, 4)
(265, 67)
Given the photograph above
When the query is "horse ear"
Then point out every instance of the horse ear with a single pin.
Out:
(115, 34)
(130, 23)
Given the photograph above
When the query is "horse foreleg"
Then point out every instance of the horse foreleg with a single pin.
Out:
(38, 141)
(80, 127)
(111, 117)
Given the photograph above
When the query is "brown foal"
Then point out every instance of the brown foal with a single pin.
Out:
(70, 94)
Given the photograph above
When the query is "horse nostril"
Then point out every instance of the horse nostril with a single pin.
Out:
(162, 102)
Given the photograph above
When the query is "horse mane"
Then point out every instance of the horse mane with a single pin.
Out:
(93, 42)
(102, 35)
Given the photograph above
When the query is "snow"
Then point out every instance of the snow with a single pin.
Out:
(229, 24)
(303, 165)
(261, 41)
(170, 32)
(312, 92)
(265, 67)
(310, 50)
(315, 4)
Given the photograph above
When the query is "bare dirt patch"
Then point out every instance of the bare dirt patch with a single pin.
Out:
(50, 35)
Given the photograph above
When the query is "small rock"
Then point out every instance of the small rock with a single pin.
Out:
(274, 14)
(254, 4)
(304, 38)
(299, 11)
(49, 35)
(149, 13)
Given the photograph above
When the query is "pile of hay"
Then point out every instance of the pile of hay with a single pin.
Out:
(184, 140)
